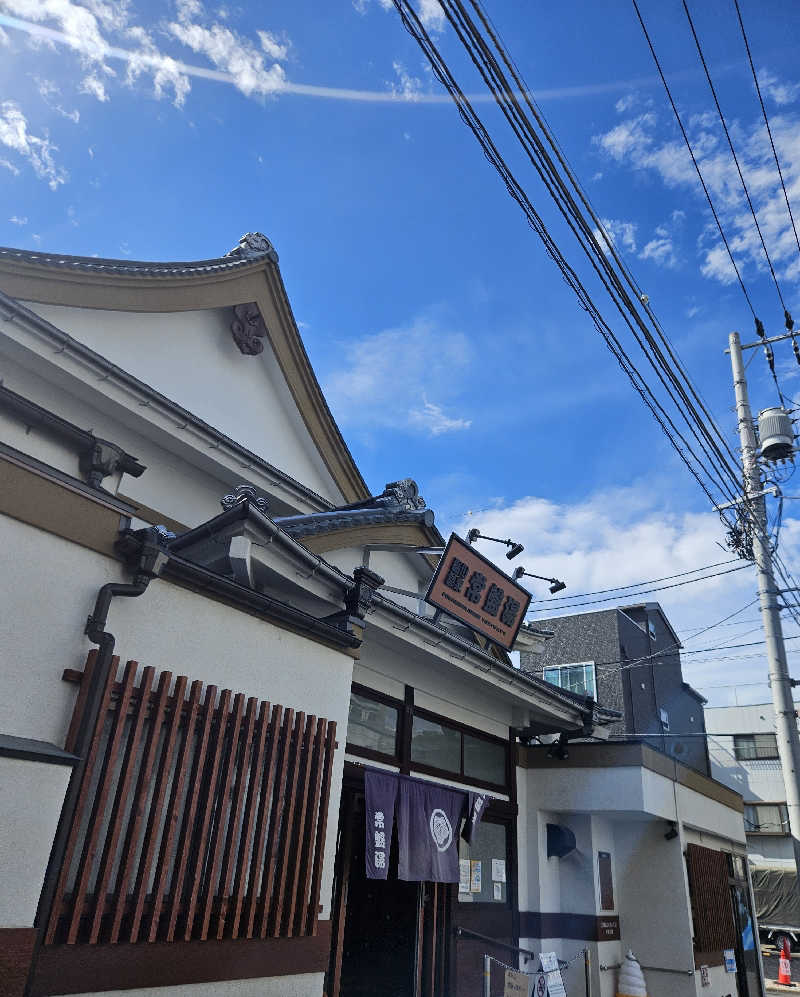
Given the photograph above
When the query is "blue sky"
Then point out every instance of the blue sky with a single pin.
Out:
(448, 345)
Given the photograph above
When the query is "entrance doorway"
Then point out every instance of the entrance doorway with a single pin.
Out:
(391, 938)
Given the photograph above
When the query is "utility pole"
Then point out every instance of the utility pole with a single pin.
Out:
(780, 683)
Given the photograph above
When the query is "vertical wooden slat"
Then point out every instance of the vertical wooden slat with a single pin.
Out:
(92, 840)
(221, 812)
(91, 761)
(139, 802)
(154, 818)
(173, 812)
(200, 842)
(80, 701)
(254, 765)
(295, 844)
(120, 799)
(339, 911)
(192, 796)
(322, 827)
(275, 809)
(307, 835)
(287, 822)
(271, 766)
(233, 840)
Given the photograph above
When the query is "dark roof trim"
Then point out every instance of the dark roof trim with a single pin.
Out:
(331, 522)
(98, 458)
(34, 751)
(91, 264)
(10, 308)
(693, 692)
(208, 582)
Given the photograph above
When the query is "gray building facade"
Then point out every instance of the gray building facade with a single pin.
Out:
(628, 659)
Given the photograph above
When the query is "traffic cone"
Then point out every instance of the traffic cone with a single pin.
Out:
(631, 979)
(785, 964)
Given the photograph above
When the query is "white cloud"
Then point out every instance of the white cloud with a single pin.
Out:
(780, 92)
(431, 15)
(166, 70)
(404, 379)
(16, 220)
(230, 52)
(8, 165)
(639, 143)
(407, 87)
(622, 235)
(433, 420)
(94, 87)
(5, 41)
(272, 47)
(38, 150)
(625, 103)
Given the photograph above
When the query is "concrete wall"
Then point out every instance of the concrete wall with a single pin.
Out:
(301, 985)
(31, 795)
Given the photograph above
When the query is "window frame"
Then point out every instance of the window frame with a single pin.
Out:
(460, 776)
(572, 664)
(378, 697)
(755, 757)
(783, 813)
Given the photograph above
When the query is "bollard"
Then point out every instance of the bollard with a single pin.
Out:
(587, 967)
(487, 976)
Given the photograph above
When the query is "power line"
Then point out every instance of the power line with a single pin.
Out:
(766, 122)
(652, 581)
(660, 588)
(694, 160)
(414, 26)
(733, 153)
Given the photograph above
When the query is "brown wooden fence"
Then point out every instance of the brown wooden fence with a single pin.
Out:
(202, 814)
(712, 910)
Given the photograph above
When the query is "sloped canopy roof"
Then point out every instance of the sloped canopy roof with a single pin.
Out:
(249, 273)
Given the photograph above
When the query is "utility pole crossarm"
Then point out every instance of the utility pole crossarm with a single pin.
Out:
(779, 680)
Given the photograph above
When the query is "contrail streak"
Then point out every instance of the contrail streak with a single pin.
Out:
(309, 89)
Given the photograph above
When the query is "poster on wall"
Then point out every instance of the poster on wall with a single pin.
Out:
(463, 875)
(475, 877)
(499, 870)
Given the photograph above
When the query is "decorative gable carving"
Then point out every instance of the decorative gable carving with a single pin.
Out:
(248, 329)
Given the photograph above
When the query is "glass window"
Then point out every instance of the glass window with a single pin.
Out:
(575, 678)
(488, 869)
(766, 818)
(436, 745)
(484, 760)
(372, 724)
(753, 747)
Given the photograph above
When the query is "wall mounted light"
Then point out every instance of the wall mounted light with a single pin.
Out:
(514, 548)
(555, 584)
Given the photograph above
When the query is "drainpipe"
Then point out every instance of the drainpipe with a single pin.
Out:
(145, 556)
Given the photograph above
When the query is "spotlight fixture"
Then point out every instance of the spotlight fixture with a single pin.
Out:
(555, 584)
(672, 833)
(514, 548)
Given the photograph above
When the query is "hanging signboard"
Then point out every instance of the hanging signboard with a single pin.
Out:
(470, 588)
(517, 984)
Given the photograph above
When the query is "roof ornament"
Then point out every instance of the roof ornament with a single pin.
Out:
(254, 246)
(248, 329)
(244, 493)
(403, 494)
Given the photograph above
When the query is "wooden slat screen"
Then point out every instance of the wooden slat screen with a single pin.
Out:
(712, 911)
(202, 814)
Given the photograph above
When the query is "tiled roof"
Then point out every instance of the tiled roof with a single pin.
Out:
(252, 248)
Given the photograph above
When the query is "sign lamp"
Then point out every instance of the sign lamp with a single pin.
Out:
(555, 584)
(514, 548)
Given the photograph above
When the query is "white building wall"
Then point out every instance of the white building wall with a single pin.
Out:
(31, 795)
(192, 359)
(301, 985)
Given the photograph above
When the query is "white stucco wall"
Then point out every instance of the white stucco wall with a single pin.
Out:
(31, 795)
(192, 359)
(301, 985)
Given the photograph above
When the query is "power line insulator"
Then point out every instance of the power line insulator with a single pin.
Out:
(789, 321)
(760, 329)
